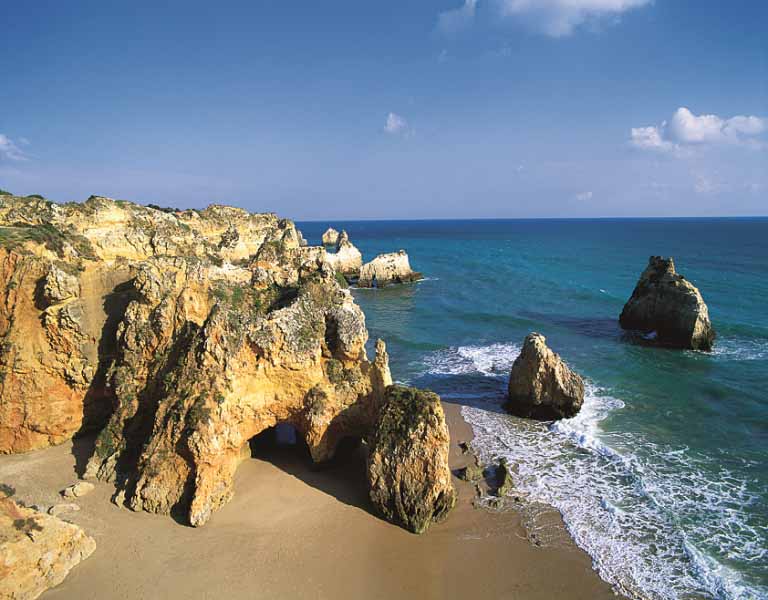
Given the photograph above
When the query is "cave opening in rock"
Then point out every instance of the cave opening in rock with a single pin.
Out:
(281, 439)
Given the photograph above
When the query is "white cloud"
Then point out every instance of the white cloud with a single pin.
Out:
(395, 124)
(9, 150)
(686, 130)
(456, 19)
(584, 196)
(555, 18)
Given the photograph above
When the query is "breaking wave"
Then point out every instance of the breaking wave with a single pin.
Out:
(658, 521)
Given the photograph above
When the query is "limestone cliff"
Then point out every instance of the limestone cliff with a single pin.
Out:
(387, 269)
(541, 385)
(330, 237)
(179, 336)
(667, 305)
(347, 259)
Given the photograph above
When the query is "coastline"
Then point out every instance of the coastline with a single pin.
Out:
(291, 531)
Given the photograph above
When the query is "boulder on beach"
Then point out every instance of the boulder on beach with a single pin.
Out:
(668, 308)
(347, 259)
(37, 551)
(408, 473)
(387, 269)
(541, 385)
(330, 237)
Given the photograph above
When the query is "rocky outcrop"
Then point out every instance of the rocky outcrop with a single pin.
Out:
(347, 259)
(330, 237)
(668, 308)
(37, 551)
(387, 269)
(541, 385)
(408, 462)
(179, 336)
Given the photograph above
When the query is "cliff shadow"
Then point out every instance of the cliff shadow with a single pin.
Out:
(468, 389)
(343, 477)
(98, 403)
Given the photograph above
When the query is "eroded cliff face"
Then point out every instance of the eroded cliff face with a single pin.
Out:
(65, 270)
(387, 269)
(181, 336)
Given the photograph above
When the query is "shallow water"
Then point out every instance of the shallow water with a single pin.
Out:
(663, 476)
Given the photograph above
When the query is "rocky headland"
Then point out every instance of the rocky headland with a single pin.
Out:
(668, 308)
(180, 336)
(387, 269)
(541, 385)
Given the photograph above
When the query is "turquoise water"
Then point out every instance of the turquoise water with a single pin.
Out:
(663, 476)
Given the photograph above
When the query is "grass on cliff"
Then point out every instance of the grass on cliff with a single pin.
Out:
(405, 409)
(46, 234)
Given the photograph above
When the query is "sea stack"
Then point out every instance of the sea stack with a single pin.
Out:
(541, 385)
(387, 269)
(347, 259)
(668, 308)
(330, 237)
(408, 473)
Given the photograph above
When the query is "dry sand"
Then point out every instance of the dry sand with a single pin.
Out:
(294, 532)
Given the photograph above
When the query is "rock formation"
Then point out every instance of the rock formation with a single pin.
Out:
(408, 461)
(347, 259)
(179, 336)
(541, 385)
(330, 237)
(387, 269)
(669, 307)
(37, 551)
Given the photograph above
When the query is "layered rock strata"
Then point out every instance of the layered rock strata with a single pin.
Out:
(179, 335)
(541, 385)
(668, 308)
(37, 551)
(387, 269)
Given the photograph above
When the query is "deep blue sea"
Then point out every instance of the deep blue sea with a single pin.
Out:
(663, 476)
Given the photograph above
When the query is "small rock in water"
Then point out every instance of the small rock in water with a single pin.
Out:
(59, 509)
(472, 472)
(503, 479)
(76, 490)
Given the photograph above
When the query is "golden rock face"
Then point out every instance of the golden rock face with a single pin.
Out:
(179, 336)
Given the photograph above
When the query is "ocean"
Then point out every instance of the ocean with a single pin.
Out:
(663, 476)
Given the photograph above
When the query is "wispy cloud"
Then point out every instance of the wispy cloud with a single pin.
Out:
(685, 131)
(9, 150)
(555, 18)
(396, 124)
(584, 196)
(456, 19)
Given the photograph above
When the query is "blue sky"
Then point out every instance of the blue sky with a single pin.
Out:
(391, 109)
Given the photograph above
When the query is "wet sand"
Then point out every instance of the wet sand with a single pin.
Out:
(294, 532)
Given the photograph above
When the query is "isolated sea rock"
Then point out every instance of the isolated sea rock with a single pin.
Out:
(37, 551)
(330, 237)
(347, 259)
(410, 482)
(387, 269)
(541, 385)
(668, 307)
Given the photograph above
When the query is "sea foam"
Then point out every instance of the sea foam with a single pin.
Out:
(655, 521)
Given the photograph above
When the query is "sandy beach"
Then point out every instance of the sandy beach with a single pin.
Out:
(295, 532)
